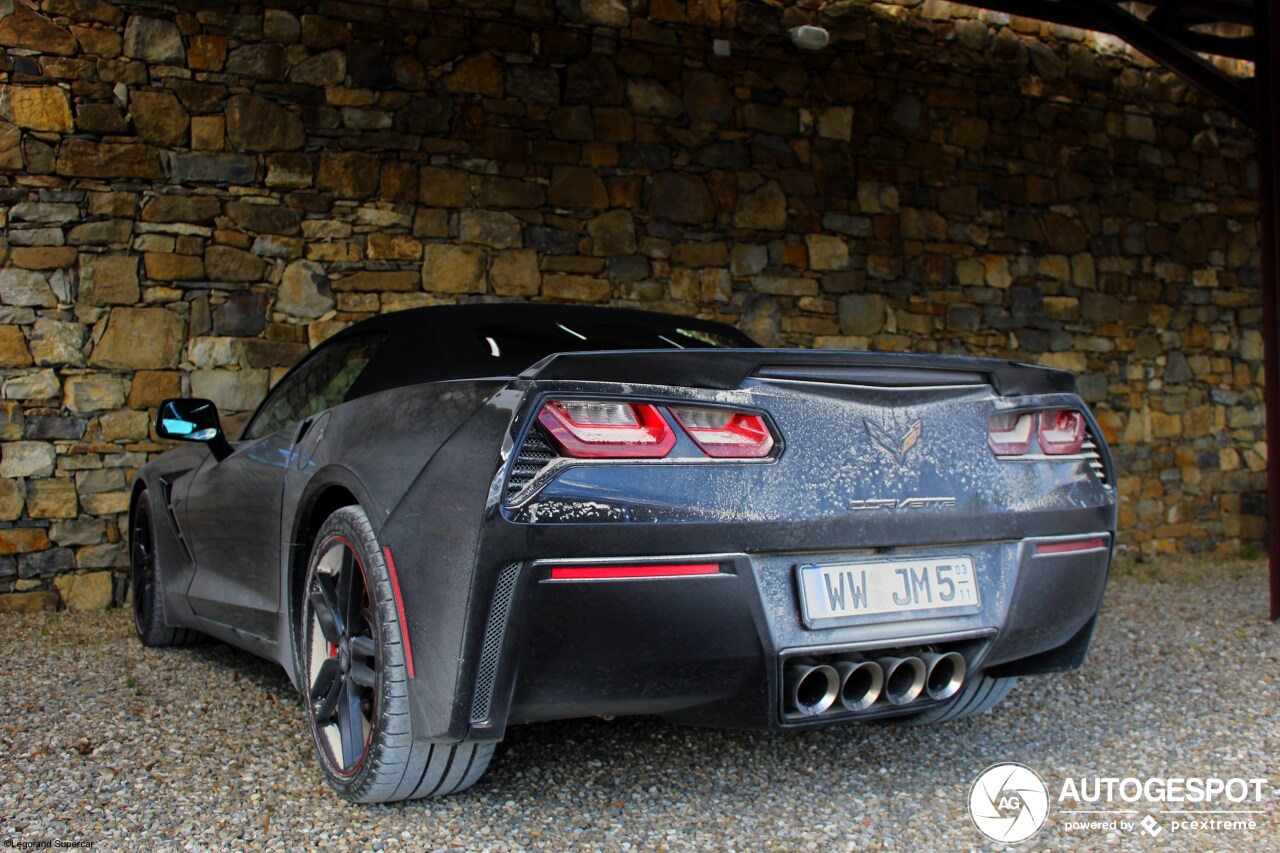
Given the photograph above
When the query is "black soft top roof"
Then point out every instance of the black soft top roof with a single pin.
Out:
(449, 341)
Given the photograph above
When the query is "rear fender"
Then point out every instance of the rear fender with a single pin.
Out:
(329, 483)
(373, 449)
(434, 538)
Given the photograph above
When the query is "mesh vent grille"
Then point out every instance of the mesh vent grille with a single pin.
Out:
(534, 455)
(491, 652)
(1090, 450)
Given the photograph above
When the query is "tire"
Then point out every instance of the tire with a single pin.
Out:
(978, 695)
(145, 584)
(354, 676)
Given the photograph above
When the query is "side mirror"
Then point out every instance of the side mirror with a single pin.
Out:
(193, 420)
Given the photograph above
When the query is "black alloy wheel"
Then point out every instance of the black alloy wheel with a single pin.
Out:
(353, 665)
(142, 566)
(342, 695)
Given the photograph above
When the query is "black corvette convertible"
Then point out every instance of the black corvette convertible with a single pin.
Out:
(449, 520)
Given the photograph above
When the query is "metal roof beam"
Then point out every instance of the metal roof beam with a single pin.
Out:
(1167, 49)
(1183, 61)
(1174, 23)
(1241, 47)
(1192, 12)
(1162, 17)
(1267, 31)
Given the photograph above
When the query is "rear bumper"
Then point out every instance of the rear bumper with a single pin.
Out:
(495, 641)
(711, 649)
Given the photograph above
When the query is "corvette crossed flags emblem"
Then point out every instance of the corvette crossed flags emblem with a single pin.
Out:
(898, 448)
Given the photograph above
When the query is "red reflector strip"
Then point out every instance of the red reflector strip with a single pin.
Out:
(1068, 547)
(404, 625)
(595, 573)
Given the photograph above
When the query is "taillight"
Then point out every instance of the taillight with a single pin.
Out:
(1061, 432)
(1010, 435)
(724, 434)
(592, 429)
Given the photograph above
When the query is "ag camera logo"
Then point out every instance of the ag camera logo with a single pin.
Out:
(1008, 802)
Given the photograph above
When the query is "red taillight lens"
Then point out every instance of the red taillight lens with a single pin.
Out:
(1010, 435)
(1061, 432)
(592, 429)
(723, 434)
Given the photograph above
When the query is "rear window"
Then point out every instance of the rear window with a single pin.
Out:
(535, 341)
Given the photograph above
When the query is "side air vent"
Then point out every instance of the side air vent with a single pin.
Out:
(534, 455)
(491, 651)
(1089, 449)
(166, 493)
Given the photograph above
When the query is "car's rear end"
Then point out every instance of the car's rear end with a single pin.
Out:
(777, 539)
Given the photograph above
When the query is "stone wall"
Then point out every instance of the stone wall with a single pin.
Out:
(194, 194)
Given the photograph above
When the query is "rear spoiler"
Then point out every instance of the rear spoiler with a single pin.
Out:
(728, 369)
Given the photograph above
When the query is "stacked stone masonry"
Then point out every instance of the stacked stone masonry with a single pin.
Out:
(192, 195)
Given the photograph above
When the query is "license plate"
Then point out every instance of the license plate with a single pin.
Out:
(891, 589)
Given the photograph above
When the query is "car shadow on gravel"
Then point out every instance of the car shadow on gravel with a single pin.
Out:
(627, 755)
(643, 773)
(1182, 679)
(258, 672)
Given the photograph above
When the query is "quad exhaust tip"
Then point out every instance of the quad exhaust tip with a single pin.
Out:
(860, 683)
(812, 688)
(945, 674)
(903, 679)
(852, 683)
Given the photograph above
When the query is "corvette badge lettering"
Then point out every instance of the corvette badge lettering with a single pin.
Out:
(904, 503)
(898, 448)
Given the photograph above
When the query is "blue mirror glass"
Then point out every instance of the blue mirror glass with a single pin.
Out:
(177, 428)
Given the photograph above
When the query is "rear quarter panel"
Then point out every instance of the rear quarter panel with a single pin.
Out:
(377, 448)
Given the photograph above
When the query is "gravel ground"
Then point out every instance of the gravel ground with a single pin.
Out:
(205, 749)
